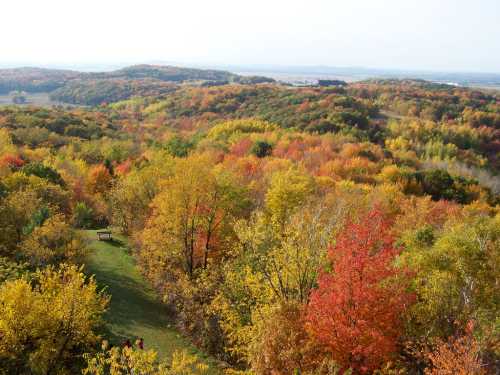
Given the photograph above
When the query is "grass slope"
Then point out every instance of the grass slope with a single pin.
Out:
(134, 309)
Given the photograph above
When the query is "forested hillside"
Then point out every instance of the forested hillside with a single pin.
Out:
(33, 79)
(314, 230)
(106, 87)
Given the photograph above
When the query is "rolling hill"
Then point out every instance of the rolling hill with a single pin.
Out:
(95, 88)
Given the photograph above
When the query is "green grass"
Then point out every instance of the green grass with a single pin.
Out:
(40, 99)
(135, 310)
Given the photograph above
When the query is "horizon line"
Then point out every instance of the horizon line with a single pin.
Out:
(269, 67)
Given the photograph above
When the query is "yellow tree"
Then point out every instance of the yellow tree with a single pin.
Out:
(52, 242)
(116, 361)
(16, 209)
(288, 190)
(272, 273)
(47, 323)
(50, 194)
(191, 219)
(131, 196)
(6, 145)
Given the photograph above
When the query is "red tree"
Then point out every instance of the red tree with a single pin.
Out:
(12, 161)
(242, 147)
(124, 167)
(356, 310)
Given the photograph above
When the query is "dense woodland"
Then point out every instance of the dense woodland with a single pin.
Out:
(318, 230)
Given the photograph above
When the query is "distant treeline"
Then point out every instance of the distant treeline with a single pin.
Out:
(105, 87)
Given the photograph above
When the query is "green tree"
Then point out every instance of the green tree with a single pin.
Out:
(457, 277)
(43, 171)
(261, 149)
(178, 146)
(83, 216)
(37, 220)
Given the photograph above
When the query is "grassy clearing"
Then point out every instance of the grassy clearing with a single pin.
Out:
(134, 310)
(39, 99)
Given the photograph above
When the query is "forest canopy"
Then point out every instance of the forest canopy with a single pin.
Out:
(286, 230)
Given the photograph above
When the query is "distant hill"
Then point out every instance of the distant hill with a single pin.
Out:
(109, 90)
(104, 87)
(171, 73)
(34, 79)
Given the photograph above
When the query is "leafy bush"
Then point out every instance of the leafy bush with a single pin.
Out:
(43, 171)
(261, 149)
(178, 146)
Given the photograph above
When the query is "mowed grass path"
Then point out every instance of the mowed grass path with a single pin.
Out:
(135, 310)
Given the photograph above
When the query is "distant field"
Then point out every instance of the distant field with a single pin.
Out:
(41, 99)
(312, 75)
(494, 88)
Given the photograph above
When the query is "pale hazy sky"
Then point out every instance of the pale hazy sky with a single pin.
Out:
(456, 35)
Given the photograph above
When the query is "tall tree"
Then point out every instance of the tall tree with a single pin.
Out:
(191, 217)
(357, 308)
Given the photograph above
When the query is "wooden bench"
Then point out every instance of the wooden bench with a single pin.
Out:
(104, 236)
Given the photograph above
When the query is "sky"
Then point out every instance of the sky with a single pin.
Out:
(438, 35)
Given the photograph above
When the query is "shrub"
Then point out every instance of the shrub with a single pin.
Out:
(43, 171)
(261, 149)
(83, 216)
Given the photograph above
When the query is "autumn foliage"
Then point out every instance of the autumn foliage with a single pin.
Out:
(12, 161)
(459, 356)
(250, 210)
(357, 308)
